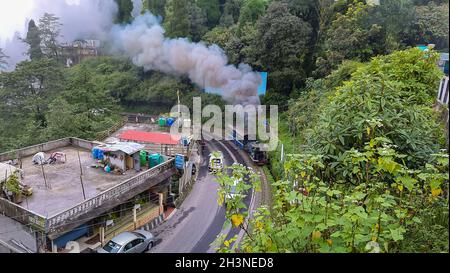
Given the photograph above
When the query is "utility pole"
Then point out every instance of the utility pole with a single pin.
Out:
(79, 161)
(81, 176)
(45, 179)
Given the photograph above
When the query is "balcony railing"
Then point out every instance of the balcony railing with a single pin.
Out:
(49, 224)
(443, 94)
(111, 194)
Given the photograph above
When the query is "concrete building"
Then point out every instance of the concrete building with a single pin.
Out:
(158, 142)
(124, 156)
(77, 201)
(74, 53)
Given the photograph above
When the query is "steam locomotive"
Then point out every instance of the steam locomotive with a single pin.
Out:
(252, 147)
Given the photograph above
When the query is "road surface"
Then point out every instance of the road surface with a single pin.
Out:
(199, 219)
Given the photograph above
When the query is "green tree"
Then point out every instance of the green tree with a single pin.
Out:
(30, 87)
(231, 12)
(50, 32)
(156, 7)
(426, 2)
(397, 19)
(177, 22)
(251, 11)
(431, 23)
(85, 107)
(280, 47)
(389, 97)
(124, 14)
(351, 38)
(318, 14)
(3, 57)
(240, 46)
(33, 40)
(219, 36)
(61, 120)
(370, 177)
(212, 10)
(197, 21)
(282, 38)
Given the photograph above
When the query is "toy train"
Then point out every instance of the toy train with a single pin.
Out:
(252, 147)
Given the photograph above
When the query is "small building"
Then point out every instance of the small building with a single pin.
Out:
(123, 155)
(79, 51)
(156, 142)
(150, 137)
(78, 202)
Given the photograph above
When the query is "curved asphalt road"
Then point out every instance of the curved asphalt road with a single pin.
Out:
(199, 219)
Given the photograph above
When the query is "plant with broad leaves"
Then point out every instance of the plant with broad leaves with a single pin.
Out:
(371, 209)
(235, 183)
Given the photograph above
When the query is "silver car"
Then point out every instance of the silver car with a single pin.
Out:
(136, 241)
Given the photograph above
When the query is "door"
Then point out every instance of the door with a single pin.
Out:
(129, 162)
(135, 246)
(137, 162)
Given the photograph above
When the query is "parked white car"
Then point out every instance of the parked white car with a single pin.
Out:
(137, 241)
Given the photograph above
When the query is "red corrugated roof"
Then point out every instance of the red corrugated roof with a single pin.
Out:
(148, 137)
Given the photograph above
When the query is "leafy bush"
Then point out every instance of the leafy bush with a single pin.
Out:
(383, 202)
(371, 176)
(12, 183)
(389, 97)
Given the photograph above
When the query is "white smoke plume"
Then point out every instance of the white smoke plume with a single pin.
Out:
(144, 42)
(138, 5)
(83, 19)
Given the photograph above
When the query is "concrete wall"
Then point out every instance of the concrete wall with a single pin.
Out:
(85, 144)
(32, 150)
(48, 146)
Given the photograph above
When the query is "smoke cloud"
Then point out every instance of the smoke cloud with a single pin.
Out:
(138, 5)
(144, 42)
(80, 19)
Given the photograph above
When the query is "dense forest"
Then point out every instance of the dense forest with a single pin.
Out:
(356, 96)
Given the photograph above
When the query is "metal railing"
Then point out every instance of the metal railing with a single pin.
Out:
(107, 133)
(166, 149)
(107, 195)
(169, 150)
(48, 224)
(443, 93)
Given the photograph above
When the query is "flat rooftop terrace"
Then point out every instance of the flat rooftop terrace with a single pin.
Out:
(64, 185)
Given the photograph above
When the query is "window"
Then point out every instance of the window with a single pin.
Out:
(112, 247)
(138, 235)
(128, 246)
(137, 242)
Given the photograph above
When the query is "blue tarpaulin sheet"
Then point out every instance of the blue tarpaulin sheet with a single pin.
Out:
(71, 236)
(179, 162)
